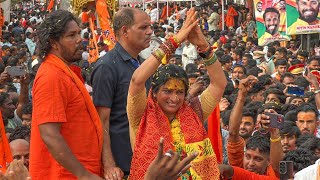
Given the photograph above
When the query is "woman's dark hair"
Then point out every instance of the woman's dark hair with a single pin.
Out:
(52, 28)
(164, 73)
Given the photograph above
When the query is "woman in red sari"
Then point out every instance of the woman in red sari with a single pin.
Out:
(165, 112)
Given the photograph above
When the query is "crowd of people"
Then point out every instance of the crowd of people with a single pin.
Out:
(127, 117)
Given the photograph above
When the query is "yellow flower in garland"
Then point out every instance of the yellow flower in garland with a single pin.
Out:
(179, 144)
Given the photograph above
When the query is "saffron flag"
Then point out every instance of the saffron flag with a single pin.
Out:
(104, 20)
(93, 46)
(1, 22)
(50, 6)
(214, 133)
(5, 152)
(271, 21)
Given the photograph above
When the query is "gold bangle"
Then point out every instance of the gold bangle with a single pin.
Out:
(158, 54)
(275, 140)
(176, 40)
(211, 60)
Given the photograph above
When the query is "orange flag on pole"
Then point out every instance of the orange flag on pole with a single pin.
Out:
(1, 23)
(93, 46)
(5, 152)
(50, 6)
(214, 133)
(104, 20)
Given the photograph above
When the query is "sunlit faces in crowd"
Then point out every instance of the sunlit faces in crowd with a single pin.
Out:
(281, 53)
(257, 155)
(20, 151)
(289, 135)
(307, 122)
(292, 44)
(287, 79)
(238, 72)
(313, 63)
(296, 100)
(302, 59)
(274, 95)
(281, 69)
(307, 118)
(246, 127)
(272, 98)
(288, 142)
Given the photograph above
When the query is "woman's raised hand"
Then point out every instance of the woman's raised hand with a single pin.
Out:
(188, 25)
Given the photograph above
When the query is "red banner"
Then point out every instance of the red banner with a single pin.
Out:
(5, 152)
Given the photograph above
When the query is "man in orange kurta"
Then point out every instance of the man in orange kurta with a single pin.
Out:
(257, 156)
(66, 138)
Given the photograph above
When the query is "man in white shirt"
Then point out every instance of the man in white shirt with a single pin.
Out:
(308, 173)
(189, 54)
(213, 21)
(154, 14)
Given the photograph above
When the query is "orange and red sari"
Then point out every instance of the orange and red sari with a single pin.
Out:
(154, 124)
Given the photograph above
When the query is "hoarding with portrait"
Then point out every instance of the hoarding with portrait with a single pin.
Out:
(304, 16)
(271, 21)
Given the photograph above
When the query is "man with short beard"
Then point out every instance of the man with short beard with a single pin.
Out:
(308, 13)
(271, 19)
(247, 124)
(66, 140)
(7, 109)
(307, 120)
(257, 157)
(313, 63)
(289, 134)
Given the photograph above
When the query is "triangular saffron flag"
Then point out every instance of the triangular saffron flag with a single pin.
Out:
(104, 20)
(93, 46)
(5, 152)
(50, 5)
(214, 133)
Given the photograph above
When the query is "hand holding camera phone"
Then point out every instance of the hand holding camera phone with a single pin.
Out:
(296, 90)
(16, 71)
(276, 120)
(286, 170)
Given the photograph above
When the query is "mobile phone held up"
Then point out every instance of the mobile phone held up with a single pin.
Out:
(297, 91)
(286, 170)
(16, 71)
(276, 120)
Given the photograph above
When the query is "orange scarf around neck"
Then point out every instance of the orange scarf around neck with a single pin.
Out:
(54, 60)
(154, 124)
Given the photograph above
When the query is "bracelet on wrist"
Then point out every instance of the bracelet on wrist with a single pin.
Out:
(158, 54)
(211, 60)
(174, 43)
(205, 53)
(316, 92)
(203, 50)
(275, 140)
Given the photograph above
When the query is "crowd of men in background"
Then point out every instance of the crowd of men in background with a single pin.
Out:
(278, 67)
